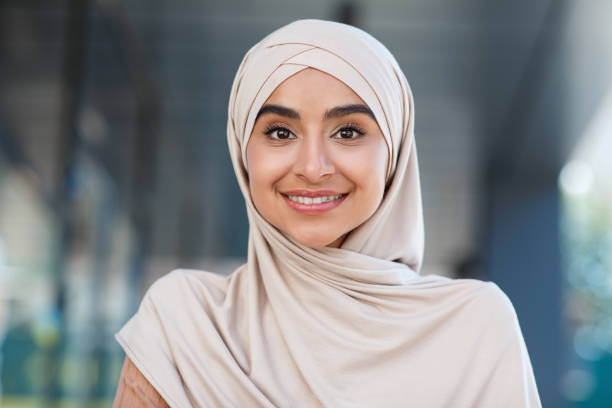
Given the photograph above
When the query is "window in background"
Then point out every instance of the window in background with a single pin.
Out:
(586, 227)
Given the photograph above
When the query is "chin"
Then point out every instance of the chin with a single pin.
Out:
(314, 242)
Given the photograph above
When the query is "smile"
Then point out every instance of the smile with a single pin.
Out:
(315, 200)
(314, 205)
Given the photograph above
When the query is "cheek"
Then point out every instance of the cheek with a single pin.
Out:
(266, 166)
(367, 168)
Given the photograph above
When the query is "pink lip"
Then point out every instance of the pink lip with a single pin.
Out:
(313, 208)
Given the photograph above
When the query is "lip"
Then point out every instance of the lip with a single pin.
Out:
(313, 209)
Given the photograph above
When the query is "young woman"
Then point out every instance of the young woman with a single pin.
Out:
(329, 309)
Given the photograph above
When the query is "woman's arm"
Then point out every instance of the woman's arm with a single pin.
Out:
(134, 390)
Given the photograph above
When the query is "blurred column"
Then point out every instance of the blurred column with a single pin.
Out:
(142, 180)
(73, 70)
(521, 232)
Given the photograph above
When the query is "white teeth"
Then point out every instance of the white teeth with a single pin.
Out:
(316, 200)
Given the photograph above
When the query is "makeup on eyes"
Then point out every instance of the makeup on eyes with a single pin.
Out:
(271, 128)
(352, 127)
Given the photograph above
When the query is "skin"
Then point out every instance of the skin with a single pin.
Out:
(134, 390)
(314, 152)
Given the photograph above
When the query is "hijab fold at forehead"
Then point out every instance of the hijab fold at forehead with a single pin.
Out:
(395, 231)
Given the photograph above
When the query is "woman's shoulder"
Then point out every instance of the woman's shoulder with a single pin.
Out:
(181, 276)
(488, 309)
(493, 299)
(482, 290)
(488, 297)
(481, 299)
(187, 282)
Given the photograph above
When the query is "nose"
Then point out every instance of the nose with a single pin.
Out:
(313, 163)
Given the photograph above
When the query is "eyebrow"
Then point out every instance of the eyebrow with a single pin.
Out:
(332, 113)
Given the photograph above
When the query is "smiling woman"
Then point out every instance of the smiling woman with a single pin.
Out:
(329, 309)
(317, 159)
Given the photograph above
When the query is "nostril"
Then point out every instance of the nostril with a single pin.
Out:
(313, 161)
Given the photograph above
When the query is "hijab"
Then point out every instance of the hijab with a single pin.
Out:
(354, 326)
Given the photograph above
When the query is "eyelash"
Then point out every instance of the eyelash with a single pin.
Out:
(349, 126)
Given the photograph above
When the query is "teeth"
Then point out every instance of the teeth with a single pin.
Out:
(316, 200)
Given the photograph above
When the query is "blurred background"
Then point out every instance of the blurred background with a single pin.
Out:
(114, 169)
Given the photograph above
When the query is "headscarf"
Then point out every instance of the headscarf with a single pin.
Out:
(354, 326)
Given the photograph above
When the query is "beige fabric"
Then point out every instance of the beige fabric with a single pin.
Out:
(354, 326)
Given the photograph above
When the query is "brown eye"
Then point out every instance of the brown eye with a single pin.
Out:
(282, 134)
(349, 133)
(278, 133)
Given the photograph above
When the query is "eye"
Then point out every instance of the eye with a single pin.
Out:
(349, 132)
(276, 132)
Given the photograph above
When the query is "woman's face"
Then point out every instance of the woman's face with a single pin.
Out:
(317, 159)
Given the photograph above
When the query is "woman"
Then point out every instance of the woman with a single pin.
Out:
(329, 309)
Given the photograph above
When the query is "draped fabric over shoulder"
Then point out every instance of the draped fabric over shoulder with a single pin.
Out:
(355, 326)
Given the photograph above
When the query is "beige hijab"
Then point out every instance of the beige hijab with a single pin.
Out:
(354, 326)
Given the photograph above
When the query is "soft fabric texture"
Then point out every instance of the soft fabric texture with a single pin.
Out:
(354, 326)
